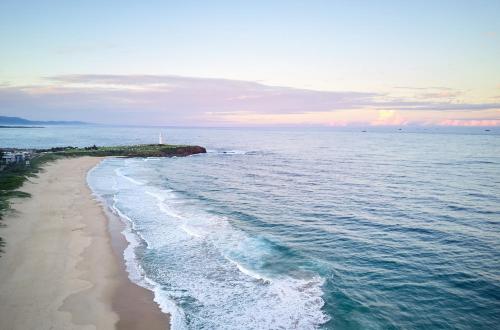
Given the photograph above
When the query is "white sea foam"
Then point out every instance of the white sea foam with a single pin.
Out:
(227, 152)
(138, 276)
(190, 231)
(249, 272)
(161, 196)
(134, 181)
(233, 152)
(194, 261)
(155, 195)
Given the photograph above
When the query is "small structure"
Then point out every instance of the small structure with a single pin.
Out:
(8, 158)
(15, 157)
(161, 139)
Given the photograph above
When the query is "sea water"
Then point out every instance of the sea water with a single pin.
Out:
(306, 229)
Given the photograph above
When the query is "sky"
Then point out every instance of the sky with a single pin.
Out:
(252, 63)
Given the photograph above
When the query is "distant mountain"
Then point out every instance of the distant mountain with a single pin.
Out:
(4, 120)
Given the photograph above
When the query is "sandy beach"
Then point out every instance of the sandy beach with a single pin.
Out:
(62, 269)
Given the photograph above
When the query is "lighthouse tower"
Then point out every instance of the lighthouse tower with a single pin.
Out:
(161, 139)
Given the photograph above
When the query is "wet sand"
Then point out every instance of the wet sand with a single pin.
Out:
(63, 266)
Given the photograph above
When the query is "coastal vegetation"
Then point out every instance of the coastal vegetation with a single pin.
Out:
(12, 176)
(142, 150)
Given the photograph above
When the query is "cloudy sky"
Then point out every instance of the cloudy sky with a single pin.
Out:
(239, 63)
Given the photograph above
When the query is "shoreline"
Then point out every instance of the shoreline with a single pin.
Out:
(63, 269)
(130, 314)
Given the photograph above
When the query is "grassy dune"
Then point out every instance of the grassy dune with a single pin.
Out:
(13, 177)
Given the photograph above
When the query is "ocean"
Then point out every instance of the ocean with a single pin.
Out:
(306, 228)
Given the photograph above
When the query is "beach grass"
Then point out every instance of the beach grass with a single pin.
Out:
(13, 177)
(142, 150)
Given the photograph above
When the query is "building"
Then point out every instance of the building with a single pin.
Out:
(15, 157)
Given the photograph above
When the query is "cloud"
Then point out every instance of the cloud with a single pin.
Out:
(470, 122)
(220, 95)
(424, 88)
(441, 106)
(166, 99)
(176, 100)
(389, 118)
(443, 94)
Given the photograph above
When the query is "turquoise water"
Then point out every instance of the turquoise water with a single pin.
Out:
(304, 229)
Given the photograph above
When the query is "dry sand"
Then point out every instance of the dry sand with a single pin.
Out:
(60, 269)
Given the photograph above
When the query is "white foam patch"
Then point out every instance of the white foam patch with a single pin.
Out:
(249, 272)
(100, 184)
(138, 276)
(190, 231)
(159, 196)
(134, 181)
(227, 152)
(202, 270)
(233, 152)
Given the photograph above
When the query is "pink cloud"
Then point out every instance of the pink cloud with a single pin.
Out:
(470, 122)
(388, 118)
(174, 100)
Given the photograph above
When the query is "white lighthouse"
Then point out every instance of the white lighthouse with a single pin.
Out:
(161, 139)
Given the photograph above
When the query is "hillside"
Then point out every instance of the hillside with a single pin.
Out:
(5, 120)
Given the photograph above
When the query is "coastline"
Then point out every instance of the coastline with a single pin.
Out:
(63, 266)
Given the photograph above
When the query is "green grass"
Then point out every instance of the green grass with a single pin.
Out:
(13, 177)
(143, 150)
